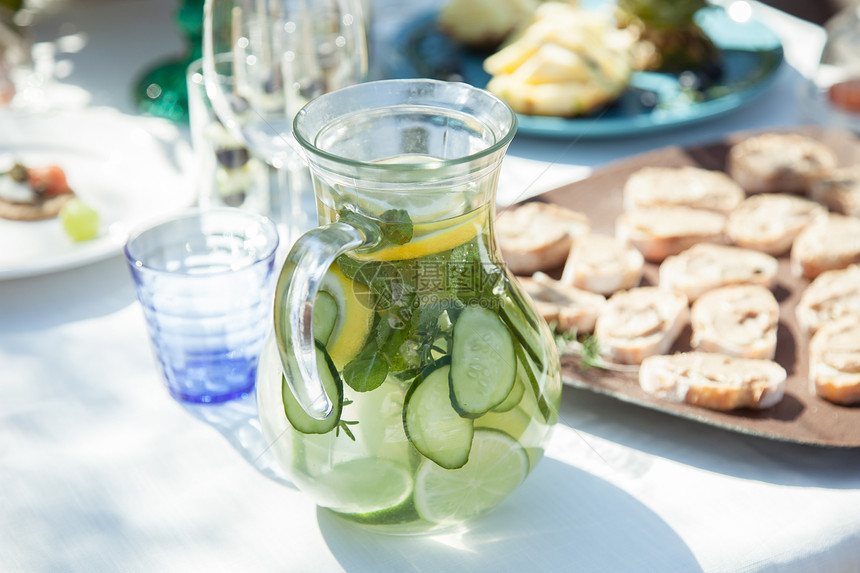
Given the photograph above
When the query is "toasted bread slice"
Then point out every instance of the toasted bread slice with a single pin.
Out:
(770, 222)
(35, 211)
(831, 296)
(738, 320)
(834, 361)
(603, 264)
(659, 232)
(640, 322)
(682, 187)
(830, 243)
(706, 266)
(713, 380)
(839, 191)
(779, 163)
(538, 236)
(567, 307)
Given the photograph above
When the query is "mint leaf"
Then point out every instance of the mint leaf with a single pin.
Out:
(365, 374)
(396, 227)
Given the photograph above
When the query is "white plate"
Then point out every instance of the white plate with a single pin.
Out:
(129, 168)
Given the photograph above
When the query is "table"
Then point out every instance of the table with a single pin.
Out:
(101, 471)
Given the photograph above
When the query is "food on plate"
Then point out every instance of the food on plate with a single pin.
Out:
(830, 243)
(566, 62)
(679, 44)
(681, 187)
(659, 232)
(602, 264)
(714, 380)
(831, 296)
(33, 193)
(737, 320)
(484, 24)
(640, 322)
(770, 222)
(566, 307)
(537, 236)
(839, 191)
(80, 221)
(706, 266)
(834, 361)
(779, 163)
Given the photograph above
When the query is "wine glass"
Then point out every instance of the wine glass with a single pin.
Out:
(284, 53)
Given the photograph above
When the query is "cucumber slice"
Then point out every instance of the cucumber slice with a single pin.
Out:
(515, 395)
(431, 423)
(483, 363)
(533, 376)
(524, 328)
(333, 385)
(325, 316)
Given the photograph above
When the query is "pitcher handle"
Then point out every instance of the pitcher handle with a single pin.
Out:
(298, 284)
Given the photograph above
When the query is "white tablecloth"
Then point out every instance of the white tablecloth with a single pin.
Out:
(101, 471)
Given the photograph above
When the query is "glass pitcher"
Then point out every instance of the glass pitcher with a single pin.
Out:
(409, 384)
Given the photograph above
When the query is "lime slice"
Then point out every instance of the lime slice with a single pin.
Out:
(363, 485)
(354, 318)
(432, 238)
(497, 465)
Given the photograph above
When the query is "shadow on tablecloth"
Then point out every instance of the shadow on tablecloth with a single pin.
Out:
(561, 519)
(238, 422)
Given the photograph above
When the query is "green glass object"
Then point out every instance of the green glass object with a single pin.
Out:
(161, 90)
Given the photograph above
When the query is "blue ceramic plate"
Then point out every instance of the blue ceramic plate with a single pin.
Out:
(752, 54)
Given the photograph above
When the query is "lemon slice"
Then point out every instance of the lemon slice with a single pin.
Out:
(432, 238)
(497, 465)
(354, 318)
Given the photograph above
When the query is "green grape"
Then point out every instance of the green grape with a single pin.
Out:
(80, 221)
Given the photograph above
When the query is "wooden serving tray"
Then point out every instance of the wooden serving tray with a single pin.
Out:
(801, 417)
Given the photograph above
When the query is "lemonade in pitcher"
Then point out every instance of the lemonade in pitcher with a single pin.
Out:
(409, 385)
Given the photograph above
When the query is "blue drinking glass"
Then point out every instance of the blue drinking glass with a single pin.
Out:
(205, 281)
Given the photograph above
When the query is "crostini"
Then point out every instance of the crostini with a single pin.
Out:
(713, 380)
(538, 236)
(640, 322)
(737, 320)
(707, 266)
